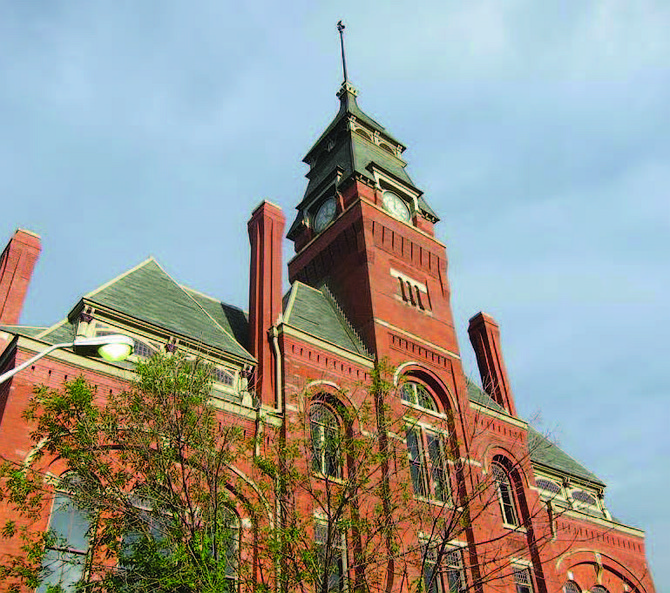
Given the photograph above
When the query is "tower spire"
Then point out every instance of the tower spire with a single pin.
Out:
(340, 28)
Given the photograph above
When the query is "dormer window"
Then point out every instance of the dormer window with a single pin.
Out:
(224, 376)
(141, 348)
(548, 486)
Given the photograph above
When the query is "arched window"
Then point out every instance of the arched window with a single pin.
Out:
(326, 436)
(505, 495)
(599, 589)
(548, 485)
(417, 395)
(426, 448)
(584, 497)
(65, 557)
(571, 587)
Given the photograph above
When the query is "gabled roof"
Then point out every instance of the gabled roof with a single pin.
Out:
(542, 450)
(149, 294)
(315, 312)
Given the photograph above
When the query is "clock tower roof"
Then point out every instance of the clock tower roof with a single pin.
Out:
(354, 145)
(349, 109)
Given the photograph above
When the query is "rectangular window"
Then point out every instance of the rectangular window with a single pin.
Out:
(416, 462)
(427, 464)
(523, 580)
(444, 574)
(438, 472)
(63, 562)
(332, 556)
(454, 570)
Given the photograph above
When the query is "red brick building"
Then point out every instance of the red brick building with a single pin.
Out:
(368, 281)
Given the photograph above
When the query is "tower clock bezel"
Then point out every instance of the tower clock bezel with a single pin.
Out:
(396, 206)
(329, 209)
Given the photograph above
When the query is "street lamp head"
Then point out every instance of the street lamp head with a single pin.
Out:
(113, 348)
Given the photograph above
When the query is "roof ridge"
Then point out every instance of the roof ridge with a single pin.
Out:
(201, 308)
(123, 275)
(290, 301)
(325, 291)
(211, 298)
(52, 327)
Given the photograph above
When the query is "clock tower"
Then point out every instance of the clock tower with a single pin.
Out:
(364, 232)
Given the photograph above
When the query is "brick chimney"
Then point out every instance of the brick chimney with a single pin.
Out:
(266, 234)
(485, 338)
(16, 268)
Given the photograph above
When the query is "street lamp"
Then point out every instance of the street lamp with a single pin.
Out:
(113, 348)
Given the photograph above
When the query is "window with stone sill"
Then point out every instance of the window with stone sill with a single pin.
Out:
(225, 383)
(584, 498)
(523, 579)
(412, 294)
(445, 574)
(333, 557)
(428, 464)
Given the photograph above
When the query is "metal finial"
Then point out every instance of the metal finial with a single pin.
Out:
(340, 28)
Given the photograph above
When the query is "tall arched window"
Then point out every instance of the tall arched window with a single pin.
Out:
(571, 587)
(426, 448)
(65, 558)
(505, 495)
(326, 436)
(599, 589)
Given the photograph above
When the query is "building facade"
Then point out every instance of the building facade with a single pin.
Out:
(492, 504)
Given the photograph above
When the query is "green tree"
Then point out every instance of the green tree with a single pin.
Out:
(362, 497)
(146, 477)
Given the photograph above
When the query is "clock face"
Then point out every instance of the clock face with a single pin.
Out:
(395, 206)
(324, 215)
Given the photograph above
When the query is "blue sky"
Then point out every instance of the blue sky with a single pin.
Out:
(538, 131)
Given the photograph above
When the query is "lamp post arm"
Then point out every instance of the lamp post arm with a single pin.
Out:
(10, 374)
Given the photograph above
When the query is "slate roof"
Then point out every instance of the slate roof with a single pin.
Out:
(63, 331)
(232, 319)
(316, 313)
(542, 450)
(149, 294)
